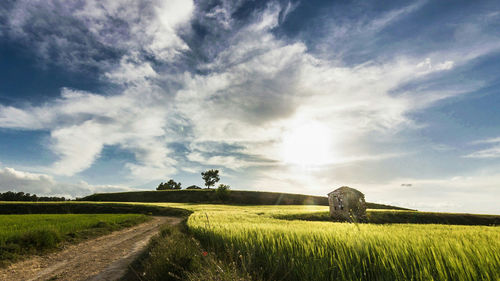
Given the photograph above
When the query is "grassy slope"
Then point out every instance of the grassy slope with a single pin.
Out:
(36, 233)
(238, 197)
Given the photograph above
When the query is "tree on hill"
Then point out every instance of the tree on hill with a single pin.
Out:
(193, 187)
(171, 184)
(211, 177)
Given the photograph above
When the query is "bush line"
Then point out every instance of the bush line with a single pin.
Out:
(90, 208)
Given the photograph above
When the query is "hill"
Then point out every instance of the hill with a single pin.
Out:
(238, 197)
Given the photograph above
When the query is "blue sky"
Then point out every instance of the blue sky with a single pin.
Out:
(399, 99)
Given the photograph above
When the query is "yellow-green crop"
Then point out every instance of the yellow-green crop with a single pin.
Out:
(304, 250)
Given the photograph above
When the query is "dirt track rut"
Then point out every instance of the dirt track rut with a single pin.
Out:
(103, 258)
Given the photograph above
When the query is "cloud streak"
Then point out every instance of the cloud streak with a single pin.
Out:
(491, 152)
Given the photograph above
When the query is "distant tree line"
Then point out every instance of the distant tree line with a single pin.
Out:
(21, 196)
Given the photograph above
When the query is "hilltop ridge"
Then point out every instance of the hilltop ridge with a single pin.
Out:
(239, 197)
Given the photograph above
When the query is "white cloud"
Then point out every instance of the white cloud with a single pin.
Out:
(490, 152)
(82, 123)
(487, 141)
(41, 184)
(267, 19)
(234, 162)
(342, 35)
(475, 192)
(231, 162)
(84, 30)
(260, 86)
(12, 117)
(78, 146)
(131, 69)
(161, 38)
(428, 67)
(221, 15)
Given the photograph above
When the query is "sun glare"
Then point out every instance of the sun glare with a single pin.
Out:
(308, 144)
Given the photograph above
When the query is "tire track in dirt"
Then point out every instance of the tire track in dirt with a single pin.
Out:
(104, 258)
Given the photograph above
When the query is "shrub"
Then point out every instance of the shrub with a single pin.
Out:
(171, 184)
(170, 256)
(223, 191)
(40, 239)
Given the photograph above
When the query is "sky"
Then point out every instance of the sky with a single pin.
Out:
(399, 99)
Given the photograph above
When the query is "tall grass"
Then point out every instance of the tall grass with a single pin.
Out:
(174, 255)
(28, 234)
(304, 250)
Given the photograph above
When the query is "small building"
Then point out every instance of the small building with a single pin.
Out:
(347, 204)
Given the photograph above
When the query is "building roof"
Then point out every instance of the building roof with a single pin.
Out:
(345, 189)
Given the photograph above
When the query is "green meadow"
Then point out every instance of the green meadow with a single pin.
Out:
(35, 233)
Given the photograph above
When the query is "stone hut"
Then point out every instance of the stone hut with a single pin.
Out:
(347, 204)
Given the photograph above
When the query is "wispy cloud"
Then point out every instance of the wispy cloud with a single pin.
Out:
(97, 33)
(491, 152)
(487, 141)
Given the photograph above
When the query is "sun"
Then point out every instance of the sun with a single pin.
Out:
(308, 144)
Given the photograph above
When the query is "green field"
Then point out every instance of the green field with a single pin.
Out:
(28, 234)
(275, 249)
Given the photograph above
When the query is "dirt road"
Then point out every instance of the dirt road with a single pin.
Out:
(103, 258)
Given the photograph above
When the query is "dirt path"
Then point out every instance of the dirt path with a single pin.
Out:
(103, 258)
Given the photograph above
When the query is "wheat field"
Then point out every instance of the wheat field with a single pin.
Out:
(305, 250)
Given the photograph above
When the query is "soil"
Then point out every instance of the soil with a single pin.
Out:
(103, 258)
